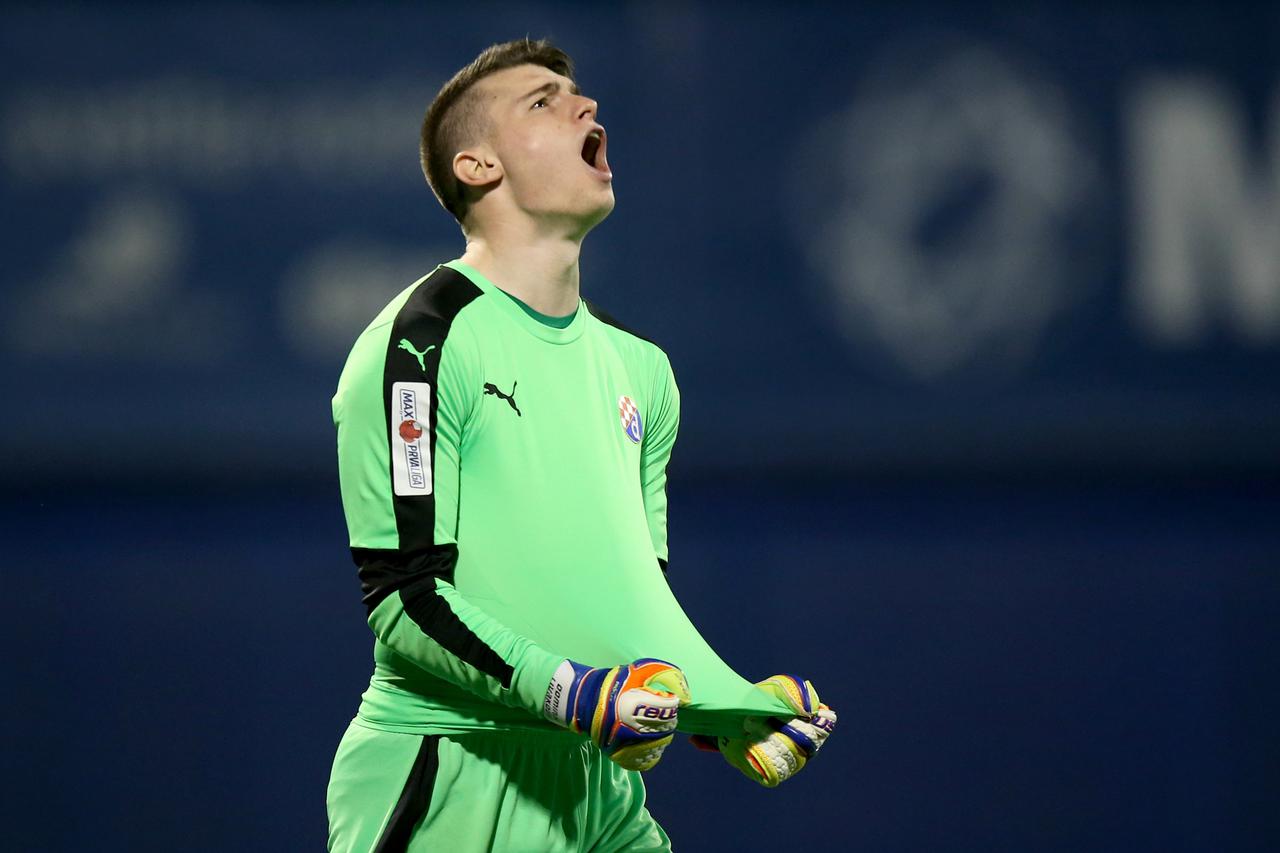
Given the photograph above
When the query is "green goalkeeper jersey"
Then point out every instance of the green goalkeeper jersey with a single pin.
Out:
(497, 472)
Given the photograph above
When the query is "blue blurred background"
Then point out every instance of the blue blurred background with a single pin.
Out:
(976, 314)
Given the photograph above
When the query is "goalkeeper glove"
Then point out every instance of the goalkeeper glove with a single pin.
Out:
(629, 711)
(772, 751)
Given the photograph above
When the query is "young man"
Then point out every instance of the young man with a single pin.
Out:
(496, 431)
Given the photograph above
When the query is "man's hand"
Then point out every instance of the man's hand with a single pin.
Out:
(629, 711)
(772, 751)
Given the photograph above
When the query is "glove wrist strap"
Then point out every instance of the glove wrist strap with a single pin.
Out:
(558, 704)
(566, 693)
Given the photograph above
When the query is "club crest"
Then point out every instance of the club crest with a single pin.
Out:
(631, 423)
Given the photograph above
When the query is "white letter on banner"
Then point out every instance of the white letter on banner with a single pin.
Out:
(1206, 221)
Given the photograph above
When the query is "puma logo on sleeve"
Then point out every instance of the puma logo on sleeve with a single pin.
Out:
(413, 351)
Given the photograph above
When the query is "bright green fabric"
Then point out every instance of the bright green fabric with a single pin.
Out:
(558, 516)
(417, 685)
(497, 791)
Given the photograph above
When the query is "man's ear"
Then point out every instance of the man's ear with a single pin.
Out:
(477, 167)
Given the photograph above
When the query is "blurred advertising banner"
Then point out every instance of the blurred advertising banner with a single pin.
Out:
(959, 239)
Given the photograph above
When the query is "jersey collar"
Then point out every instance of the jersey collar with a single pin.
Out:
(506, 305)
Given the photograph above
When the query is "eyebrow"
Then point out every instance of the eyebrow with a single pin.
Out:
(550, 89)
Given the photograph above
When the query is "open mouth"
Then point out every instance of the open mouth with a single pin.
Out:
(593, 150)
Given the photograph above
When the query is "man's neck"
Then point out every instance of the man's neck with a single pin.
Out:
(540, 271)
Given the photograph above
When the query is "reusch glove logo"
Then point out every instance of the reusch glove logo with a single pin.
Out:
(653, 713)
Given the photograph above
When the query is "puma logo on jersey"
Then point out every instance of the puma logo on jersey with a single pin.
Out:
(413, 351)
(490, 388)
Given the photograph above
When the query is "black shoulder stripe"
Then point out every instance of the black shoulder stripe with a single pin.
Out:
(442, 295)
(609, 320)
(413, 355)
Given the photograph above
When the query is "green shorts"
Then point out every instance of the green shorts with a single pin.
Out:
(502, 791)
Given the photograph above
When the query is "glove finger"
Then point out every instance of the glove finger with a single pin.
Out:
(640, 752)
(659, 676)
(806, 744)
(768, 762)
(797, 693)
(735, 752)
(779, 757)
(825, 719)
(810, 734)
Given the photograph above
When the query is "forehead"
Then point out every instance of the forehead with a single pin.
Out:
(510, 84)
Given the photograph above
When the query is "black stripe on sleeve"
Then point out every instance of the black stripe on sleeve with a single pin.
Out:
(413, 577)
(414, 800)
(609, 320)
(414, 346)
(384, 573)
(423, 321)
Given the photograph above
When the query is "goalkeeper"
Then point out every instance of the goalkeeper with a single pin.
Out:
(494, 428)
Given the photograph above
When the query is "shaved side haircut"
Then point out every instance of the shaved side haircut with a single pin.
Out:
(457, 118)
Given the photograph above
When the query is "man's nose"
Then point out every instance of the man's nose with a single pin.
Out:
(588, 109)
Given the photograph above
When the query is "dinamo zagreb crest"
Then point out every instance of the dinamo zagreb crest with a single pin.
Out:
(630, 415)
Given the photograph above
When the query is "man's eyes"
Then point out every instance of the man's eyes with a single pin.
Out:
(541, 102)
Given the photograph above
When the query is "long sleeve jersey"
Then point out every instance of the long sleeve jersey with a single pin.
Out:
(492, 465)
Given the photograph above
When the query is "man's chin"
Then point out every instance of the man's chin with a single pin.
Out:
(604, 209)
(586, 214)
(594, 215)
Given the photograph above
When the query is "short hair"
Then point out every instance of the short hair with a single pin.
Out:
(455, 118)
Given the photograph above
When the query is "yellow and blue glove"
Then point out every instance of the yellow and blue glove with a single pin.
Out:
(629, 711)
(772, 751)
